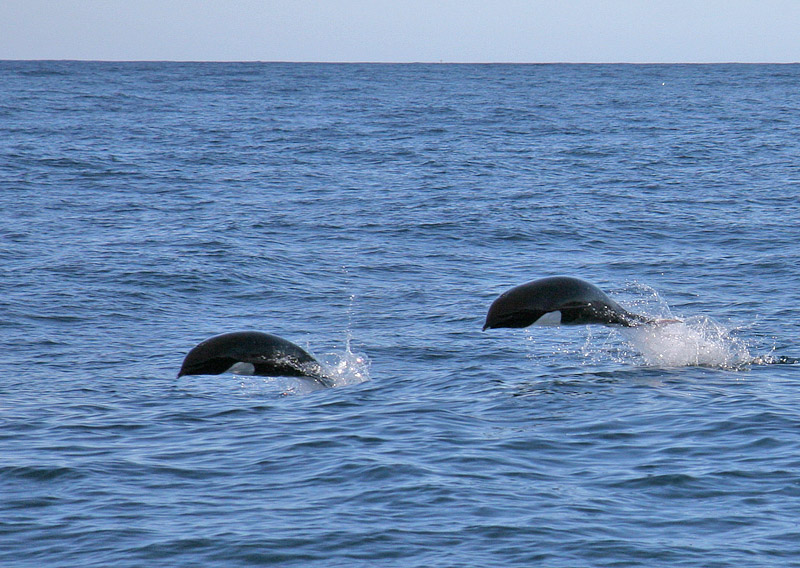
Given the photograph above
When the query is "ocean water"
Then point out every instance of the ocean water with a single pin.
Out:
(371, 214)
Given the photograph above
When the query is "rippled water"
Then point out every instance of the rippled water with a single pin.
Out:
(371, 213)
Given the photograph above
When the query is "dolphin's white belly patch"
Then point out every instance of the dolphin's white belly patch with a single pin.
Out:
(550, 318)
(242, 368)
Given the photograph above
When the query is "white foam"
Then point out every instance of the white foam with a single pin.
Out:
(696, 341)
(674, 342)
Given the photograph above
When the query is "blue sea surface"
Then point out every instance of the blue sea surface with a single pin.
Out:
(371, 213)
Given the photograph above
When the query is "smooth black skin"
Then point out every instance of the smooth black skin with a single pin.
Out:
(270, 355)
(579, 302)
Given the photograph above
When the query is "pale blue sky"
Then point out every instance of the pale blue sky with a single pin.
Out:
(403, 30)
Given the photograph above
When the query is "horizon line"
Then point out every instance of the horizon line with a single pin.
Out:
(420, 62)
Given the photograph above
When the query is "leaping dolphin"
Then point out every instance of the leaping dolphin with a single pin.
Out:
(558, 300)
(252, 353)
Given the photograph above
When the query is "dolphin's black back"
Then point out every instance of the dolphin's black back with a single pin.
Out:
(269, 355)
(578, 301)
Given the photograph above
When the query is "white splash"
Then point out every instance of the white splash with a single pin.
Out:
(675, 342)
(346, 367)
(341, 367)
(695, 341)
